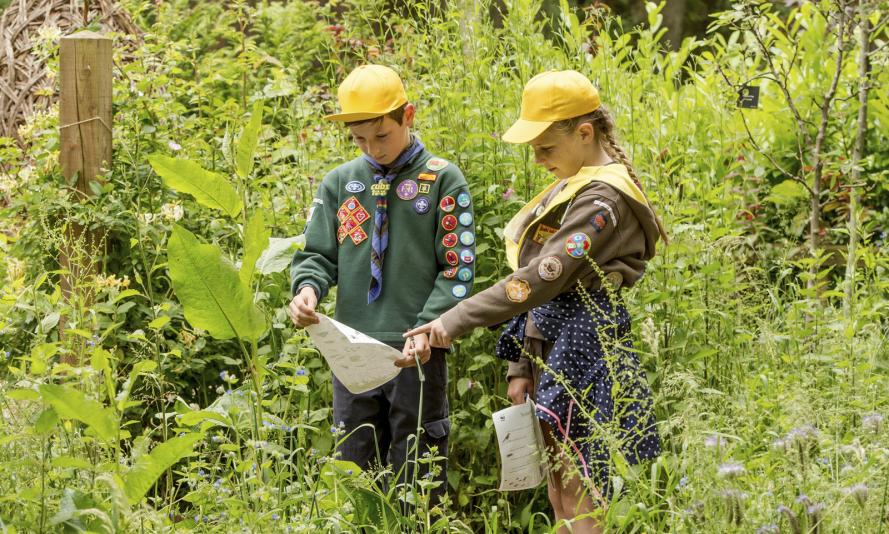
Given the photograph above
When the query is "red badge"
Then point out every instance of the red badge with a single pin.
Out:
(351, 215)
(358, 235)
(449, 240)
(447, 204)
(449, 222)
(450, 273)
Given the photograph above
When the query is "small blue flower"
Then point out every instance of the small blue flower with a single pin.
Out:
(683, 482)
(300, 372)
(349, 472)
(217, 483)
(334, 429)
(825, 461)
(201, 472)
(223, 376)
(274, 517)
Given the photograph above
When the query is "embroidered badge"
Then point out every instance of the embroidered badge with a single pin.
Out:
(451, 257)
(449, 240)
(615, 279)
(425, 188)
(447, 204)
(341, 234)
(467, 238)
(358, 235)
(577, 245)
(351, 216)
(465, 219)
(543, 233)
(448, 222)
(518, 290)
(450, 273)
(466, 256)
(459, 291)
(464, 274)
(318, 201)
(463, 200)
(605, 206)
(549, 268)
(354, 187)
(427, 177)
(599, 220)
(406, 190)
(436, 164)
(379, 189)
(421, 205)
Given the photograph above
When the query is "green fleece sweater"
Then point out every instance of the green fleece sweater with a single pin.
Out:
(430, 260)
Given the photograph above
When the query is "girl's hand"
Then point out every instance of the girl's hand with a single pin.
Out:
(438, 336)
(518, 388)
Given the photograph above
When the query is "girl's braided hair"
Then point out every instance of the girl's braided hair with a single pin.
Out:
(603, 124)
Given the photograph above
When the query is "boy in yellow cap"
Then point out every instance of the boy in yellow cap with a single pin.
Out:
(572, 247)
(393, 229)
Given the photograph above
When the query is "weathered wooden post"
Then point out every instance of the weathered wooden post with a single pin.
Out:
(85, 143)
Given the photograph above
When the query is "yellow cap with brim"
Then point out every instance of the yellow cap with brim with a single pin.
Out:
(368, 92)
(550, 97)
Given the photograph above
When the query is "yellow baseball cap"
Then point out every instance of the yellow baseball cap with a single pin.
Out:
(552, 96)
(368, 92)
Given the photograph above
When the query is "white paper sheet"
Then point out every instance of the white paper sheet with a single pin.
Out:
(359, 361)
(521, 447)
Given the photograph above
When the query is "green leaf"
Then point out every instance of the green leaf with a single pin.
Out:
(159, 322)
(246, 148)
(210, 291)
(72, 404)
(256, 239)
(278, 255)
(46, 421)
(787, 192)
(208, 188)
(149, 467)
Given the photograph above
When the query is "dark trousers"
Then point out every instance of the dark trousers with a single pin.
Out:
(393, 410)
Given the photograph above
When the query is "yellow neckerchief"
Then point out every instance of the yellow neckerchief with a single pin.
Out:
(614, 175)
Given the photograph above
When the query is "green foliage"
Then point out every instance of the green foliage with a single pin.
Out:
(72, 404)
(208, 188)
(148, 467)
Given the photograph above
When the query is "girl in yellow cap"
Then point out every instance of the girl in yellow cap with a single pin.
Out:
(572, 248)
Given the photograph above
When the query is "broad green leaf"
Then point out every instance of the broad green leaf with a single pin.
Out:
(787, 192)
(72, 404)
(193, 418)
(159, 322)
(210, 291)
(246, 148)
(46, 421)
(256, 239)
(278, 255)
(150, 466)
(64, 462)
(208, 188)
(23, 394)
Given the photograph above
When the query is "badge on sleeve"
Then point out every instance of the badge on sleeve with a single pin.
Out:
(463, 200)
(450, 273)
(448, 222)
(464, 274)
(459, 291)
(577, 245)
(406, 190)
(436, 164)
(427, 177)
(354, 186)
(449, 240)
(518, 290)
(467, 238)
(451, 257)
(447, 204)
(606, 207)
(465, 219)
(467, 256)
(599, 220)
(425, 188)
(421, 205)
(549, 268)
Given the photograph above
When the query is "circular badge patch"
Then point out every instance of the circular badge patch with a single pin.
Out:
(447, 204)
(407, 190)
(421, 205)
(464, 274)
(463, 200)
(448, 222)
(459, 291)
(518, 290)
(451, 257)
(467, 256)
(465, 219)
(449, 240)
(549, 268)
(354, 187)
(467, 238)
(436, 164)
(450, 273)
(577, 245)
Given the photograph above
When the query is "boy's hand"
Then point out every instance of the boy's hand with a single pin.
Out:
(302, 308)
(419, 346)
(518, 388)
(438, 336)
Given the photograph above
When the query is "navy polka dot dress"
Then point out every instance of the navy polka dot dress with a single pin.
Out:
(591, 390)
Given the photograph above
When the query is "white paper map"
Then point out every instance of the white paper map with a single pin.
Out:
(521, 447)
(359, 361)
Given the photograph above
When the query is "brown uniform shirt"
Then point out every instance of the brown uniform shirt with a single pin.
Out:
(614, 230)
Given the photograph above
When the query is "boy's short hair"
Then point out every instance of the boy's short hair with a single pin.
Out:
(396, 114)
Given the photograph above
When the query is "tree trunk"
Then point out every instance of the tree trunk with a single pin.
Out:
(674, 17)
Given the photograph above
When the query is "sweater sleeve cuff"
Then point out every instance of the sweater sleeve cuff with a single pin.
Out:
(307, 283)
(519, 369)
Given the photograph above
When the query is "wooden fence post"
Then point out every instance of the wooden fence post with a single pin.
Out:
(85, 145)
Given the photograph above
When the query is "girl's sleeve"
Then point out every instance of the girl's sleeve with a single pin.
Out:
(589, 225)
